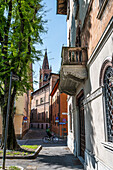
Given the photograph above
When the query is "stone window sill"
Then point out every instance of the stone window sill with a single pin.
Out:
(101, 10)
(108, 145)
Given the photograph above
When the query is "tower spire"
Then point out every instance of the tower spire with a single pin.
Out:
(45, 61)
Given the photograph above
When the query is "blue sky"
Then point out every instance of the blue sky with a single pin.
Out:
(53, 40)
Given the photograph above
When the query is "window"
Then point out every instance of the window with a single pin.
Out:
(42, 115)
(47, 115)
(46, 76)
(38, 116)
(108, 85)
(41, 77)
(102, 5)
(101, 2)
(58, 97)
(36, 102)
(70, 117)
(69, 38)
(41, 100)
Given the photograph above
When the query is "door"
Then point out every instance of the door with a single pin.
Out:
(82, 126)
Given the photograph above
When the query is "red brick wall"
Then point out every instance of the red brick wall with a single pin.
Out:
(63, 109)
(58, 106)
(94, 27)
(44, 71)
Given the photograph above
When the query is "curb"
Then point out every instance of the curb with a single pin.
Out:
(15, 166)
(32, 156)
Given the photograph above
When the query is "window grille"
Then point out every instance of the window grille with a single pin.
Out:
(108, 84)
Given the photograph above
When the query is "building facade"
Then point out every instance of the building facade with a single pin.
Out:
(21, 116)
(86, 75)
(59, 112)
(40, 107)
(40, 98)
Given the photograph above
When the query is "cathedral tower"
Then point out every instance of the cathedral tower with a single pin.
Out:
(44, 71)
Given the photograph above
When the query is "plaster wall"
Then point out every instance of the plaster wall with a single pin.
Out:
(20, 126)
(70, 137)
(97, 155)
(22, 105)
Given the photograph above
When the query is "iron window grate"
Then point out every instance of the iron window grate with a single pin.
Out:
(108, 84)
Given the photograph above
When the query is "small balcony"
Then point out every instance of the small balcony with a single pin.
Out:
(73, 69)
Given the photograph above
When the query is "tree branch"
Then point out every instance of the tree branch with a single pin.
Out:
(6, 30)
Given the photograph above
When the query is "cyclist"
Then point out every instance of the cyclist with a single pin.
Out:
(48, 132)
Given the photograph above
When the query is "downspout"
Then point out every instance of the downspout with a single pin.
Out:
(59, 114)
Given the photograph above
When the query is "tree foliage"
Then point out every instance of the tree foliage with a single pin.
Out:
(21, 26)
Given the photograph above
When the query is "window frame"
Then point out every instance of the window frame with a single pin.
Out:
(41, 100)
(102, 6)
(36, 102)
(106, 102)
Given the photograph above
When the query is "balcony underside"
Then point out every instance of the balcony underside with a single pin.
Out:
(71, 77)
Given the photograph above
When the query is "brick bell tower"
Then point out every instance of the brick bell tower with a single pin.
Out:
(44, 71)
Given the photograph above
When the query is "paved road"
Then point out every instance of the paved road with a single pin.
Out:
(35, 134)
(52, 156)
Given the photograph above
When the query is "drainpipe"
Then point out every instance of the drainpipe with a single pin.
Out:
(59, 114)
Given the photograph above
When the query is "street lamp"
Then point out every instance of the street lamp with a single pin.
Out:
(12, 77)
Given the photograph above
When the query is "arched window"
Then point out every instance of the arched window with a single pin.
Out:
(108, 85)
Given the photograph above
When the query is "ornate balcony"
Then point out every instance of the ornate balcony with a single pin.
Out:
(73, 69)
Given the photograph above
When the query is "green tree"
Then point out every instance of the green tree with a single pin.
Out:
(21, 26)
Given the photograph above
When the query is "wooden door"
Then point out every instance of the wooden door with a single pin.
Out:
(82, 126)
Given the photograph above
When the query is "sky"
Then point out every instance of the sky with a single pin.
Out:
(53, 40)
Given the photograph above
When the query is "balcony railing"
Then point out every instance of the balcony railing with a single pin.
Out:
(74, 56)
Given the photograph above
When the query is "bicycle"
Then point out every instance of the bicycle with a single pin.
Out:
(53, 139)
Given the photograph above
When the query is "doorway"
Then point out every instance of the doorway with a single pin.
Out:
(81, 125)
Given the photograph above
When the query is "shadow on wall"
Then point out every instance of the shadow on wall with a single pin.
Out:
(85, 32)
(91, 133)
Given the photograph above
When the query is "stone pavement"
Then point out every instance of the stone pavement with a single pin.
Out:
(52, 156)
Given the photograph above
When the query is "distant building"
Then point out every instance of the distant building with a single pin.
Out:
(59, 111)
(40, 108)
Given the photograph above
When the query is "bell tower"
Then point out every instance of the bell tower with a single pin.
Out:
(44, 71)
